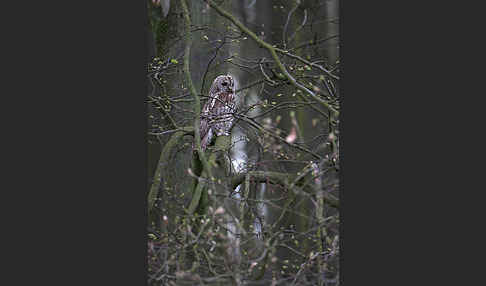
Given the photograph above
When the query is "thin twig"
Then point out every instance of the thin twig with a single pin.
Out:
(284, 32)
(300, 27)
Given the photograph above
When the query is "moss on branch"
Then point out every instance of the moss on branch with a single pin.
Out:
(163, 161)
(200, 192)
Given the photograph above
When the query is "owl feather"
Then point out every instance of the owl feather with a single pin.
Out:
(217, 114)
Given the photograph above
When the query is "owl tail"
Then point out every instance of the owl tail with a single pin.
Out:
(204, 143)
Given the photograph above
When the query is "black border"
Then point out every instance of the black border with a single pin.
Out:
(404, 106)
(76, 160)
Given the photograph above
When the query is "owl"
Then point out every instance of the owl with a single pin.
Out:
(217, 114)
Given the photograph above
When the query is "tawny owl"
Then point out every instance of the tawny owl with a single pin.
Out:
(217, 114)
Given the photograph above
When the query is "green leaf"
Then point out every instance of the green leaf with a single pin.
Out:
(152, 236)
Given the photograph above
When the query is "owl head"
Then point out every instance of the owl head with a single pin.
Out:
(223, 83)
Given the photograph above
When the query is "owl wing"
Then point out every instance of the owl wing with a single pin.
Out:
(204, 128)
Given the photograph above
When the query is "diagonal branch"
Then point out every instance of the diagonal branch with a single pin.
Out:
(273, 52)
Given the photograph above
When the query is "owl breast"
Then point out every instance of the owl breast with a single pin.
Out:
(224, 100)
(221, 114)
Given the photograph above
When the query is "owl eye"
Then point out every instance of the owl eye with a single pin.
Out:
(224, 84)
